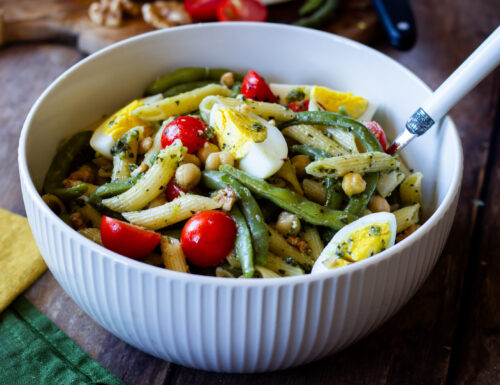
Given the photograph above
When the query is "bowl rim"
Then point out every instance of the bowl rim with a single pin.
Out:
(35, 196)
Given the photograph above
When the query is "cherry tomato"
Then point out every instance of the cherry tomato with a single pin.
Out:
(299, 106)
(174, 190)
(241, 10)
(188, 129)
(202, 9)
(377, 130)
(126, 239)
(254, 87)
(208, 237)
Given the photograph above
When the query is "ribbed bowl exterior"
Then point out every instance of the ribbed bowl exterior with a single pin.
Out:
(242, 328)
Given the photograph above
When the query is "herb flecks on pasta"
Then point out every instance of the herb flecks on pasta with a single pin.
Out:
(216, 173)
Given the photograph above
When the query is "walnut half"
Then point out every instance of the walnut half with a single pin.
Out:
(165, 14)
(110, 12)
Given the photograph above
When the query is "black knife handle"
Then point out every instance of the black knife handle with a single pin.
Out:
(398, 21)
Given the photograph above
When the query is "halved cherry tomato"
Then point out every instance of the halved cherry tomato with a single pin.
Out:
(208, 237)
(202, 9)
(174, 190)
(299, 106)
(254, 87)
(377, 130)
(126, 239)
(241, 10)
(188, 129)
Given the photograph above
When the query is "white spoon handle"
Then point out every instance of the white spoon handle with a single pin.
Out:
(482, 61)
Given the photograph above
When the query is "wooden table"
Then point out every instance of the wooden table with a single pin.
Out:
(449, 333)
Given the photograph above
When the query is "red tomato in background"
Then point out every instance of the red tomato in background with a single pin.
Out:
(126, 239)
(377, 130)
(241, 10)
(254, 87)
(299, 106)
(202, 9)
(174, 190)
(188, 129)
(208, 237)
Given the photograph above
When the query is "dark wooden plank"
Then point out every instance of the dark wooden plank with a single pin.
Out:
(477, 351)
(415, 346)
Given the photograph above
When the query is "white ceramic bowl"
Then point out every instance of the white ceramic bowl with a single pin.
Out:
(236, 325)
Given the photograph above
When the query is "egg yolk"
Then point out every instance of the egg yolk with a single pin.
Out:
(365, 242)
(236, 131)
(122, 121)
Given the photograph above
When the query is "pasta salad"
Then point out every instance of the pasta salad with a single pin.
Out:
(218, 174)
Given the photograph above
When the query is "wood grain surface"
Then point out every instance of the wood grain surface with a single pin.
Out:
(449, 333)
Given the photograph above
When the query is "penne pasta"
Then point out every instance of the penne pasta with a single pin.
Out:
(388, 182)
(338, 166)
(343, 137)
(287, 172)
(410, 190)
(172, 254)
(91, 214)
(311, 236)
(169, 213)
(125, 154)
(279, 266)
(279, 246)
(93, 234)
(266, 273)
(315, 191)
(180, 104)
(151, 184)
(307, 134)
(406, 217)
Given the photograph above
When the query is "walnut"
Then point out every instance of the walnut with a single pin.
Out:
(84, 173)
(299, 243)
(78, 221)
(165, 14)
(226, 197)
(106, 12)
(406, 233)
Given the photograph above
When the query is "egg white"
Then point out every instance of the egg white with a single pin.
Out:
(329, 251)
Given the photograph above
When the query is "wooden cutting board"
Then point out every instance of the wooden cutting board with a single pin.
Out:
(67, 21)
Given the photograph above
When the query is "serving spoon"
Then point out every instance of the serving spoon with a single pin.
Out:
(479, 64)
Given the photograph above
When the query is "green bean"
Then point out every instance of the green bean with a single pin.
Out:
(111, 189)
(185, 87)
(334, 196)
(310, 6)
(332, 119)
(310, 151)
(357, 203)
(243, 246)
(290, 201)
(61, 165)
(249, 207)
(321, 16)
(186, 75)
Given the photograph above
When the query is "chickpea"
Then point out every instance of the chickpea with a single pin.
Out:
(300, 163)
(216, 159)
(206, 150)
(187, 176)
(191, 158)
(353, 183)
(378, 204)
(227, 79)
(288, 224)
(145, 144)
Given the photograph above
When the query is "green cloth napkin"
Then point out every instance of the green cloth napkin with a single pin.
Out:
(34, 351)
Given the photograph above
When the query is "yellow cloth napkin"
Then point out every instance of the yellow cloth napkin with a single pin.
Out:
(20, 261)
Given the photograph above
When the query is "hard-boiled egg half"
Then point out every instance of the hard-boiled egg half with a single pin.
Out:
(326, 99)
(108, 132)
(259, 146)
(358, 240)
